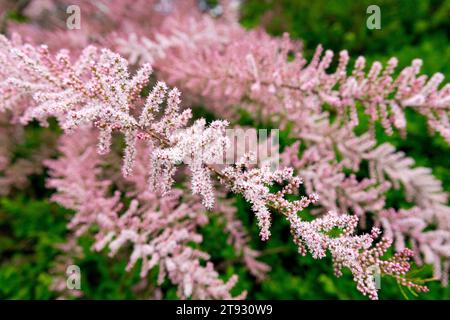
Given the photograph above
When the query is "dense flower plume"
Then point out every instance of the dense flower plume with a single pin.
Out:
(103, 89)
(256, 71)
(295, 87)
(353, 252)
(159, 228)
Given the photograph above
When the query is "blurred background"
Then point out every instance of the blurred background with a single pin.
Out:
(30, 226)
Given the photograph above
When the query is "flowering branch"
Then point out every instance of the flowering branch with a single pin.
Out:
(97, 90)
(275, 82)
(269, 78)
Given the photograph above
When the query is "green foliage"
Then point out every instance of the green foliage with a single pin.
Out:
(407, 26)
(29, 230)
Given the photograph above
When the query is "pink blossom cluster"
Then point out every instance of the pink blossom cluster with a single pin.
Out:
(94, 96)
(388, 168)
(353, 252)
(105, 98)
(243, 68)
(254, 71)
(159, 229)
